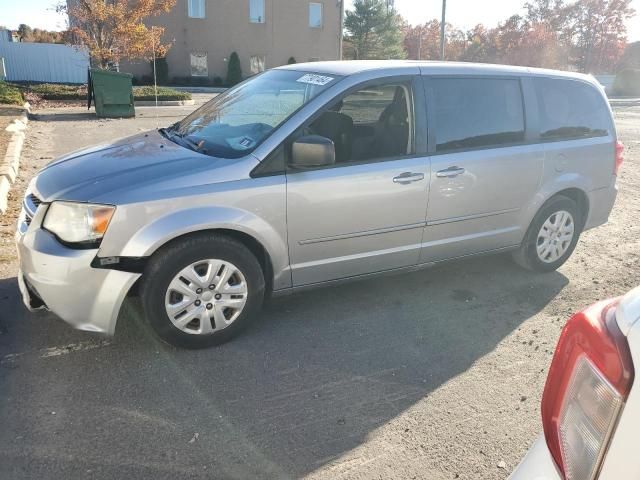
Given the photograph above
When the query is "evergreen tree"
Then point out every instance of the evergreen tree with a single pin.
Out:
(234, 72)
(374, 30)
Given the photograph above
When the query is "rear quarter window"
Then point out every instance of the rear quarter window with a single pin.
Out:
(570, 109)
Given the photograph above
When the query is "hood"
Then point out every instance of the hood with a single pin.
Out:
(131, 163)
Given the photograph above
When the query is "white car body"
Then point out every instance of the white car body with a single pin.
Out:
(621, 460)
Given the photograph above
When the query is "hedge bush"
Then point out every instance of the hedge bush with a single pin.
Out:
(627, 82)
(10, 95)
(162, 71)
(164, 93)
(50, 91)
(234, 72)
(192, 81)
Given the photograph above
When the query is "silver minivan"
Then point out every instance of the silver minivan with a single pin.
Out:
(316, 173)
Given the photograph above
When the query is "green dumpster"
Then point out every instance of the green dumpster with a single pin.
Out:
(111, 92)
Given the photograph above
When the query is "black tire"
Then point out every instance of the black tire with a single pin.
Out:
(527, 257)
(165, 264)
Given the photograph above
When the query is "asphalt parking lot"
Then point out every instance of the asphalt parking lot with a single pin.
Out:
(431, 375)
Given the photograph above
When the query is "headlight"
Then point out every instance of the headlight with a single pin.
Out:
(78, 222)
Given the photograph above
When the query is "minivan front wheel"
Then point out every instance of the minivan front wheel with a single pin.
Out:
(552, 236)
(201, 291)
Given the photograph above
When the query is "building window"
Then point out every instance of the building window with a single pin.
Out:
(196, 8)
(256, 11)
(315, 15)
(257, 64)
(199, 67)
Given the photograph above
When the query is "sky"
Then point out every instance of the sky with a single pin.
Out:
(461, 13)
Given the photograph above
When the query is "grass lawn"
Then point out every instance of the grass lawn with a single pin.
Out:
(50, 91)
(10, 95)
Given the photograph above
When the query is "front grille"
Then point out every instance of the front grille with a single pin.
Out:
(31, 203)
(35, 200)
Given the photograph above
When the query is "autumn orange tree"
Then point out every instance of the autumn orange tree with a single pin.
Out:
(116, 29)
(585, 35)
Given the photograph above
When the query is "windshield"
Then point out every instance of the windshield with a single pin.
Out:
(237, 121)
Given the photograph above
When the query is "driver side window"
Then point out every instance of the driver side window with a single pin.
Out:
(372, 123)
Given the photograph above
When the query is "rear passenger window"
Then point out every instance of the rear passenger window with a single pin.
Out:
(477, 112)
(570, 109)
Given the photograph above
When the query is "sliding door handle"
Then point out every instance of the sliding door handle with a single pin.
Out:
(408, 177)
(450, 172)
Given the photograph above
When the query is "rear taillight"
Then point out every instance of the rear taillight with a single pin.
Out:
(619, 157)
(589, 380)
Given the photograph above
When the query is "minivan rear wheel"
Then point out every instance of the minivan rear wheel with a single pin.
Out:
(202, 291)
(551, 237)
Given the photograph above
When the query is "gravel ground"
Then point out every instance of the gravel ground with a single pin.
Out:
(433, 375)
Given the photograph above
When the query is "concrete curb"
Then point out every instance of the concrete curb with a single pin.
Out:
(624, 102)
(137, 103)
(195, 89)
(163, 103)
(10, 164)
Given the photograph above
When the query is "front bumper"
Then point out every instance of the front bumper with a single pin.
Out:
(538, 464)
(62, 280)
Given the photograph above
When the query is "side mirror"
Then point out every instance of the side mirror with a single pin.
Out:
(312, 151)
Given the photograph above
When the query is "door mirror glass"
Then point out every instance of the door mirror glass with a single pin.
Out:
(312, 151)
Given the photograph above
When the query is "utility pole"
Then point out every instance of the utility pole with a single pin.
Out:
(442, 24)
(341, 33)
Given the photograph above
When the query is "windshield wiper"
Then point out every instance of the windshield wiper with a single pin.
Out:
(171, 134)
(192, 144)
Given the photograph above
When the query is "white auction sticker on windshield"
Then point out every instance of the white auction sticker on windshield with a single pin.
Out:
(241, 143)
(314, 79)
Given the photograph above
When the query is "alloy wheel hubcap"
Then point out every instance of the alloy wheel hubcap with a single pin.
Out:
(206, 296)
(555, 236)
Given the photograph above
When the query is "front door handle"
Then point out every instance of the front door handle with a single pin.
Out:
(450, 172)
(408, 177)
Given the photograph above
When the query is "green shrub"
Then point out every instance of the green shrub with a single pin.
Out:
(10, 95)
(48, 91)
(192, 81)
(164, 93)
(162, 71)
(142, 80)
(291, 61)
(627, 83)
(234, 73)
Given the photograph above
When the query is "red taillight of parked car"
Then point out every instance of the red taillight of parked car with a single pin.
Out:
(619, 157)
(589, 380)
